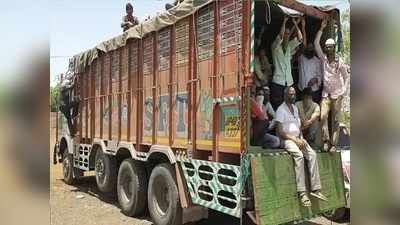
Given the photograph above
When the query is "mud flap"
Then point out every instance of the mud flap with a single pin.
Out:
(274, 185)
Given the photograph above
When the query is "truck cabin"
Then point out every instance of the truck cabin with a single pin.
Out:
(269, 17)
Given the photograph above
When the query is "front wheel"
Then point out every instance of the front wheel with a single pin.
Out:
(163, 196)
(69, 172)
(106, 172)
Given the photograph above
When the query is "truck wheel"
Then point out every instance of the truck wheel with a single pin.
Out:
(132, 187)
(106, 172)
(68, 168)
(163, 196)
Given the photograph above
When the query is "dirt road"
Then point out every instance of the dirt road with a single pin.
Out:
(83, 203)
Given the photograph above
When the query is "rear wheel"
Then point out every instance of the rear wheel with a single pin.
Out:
(163, 196)
(106, 172)
(132, 187)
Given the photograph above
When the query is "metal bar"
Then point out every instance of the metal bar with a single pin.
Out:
(155, 82)
(214, 83)
(139, 96)
(128, 95)
(119, 94)
(80, 106)
(247, 17)
(93, 101)
(194, 85)
(102, 93)
(86, 79)
(110, 98)
(172, 103)
(189, 85)
(303, 8)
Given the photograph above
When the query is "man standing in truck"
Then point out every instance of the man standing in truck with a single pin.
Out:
(282, 51)
(289, 130)
(129, 20)
(335, 82)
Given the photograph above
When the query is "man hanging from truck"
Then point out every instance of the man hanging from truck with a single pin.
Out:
(69, 102)
(129, 20)
(335, 83)
(289, 129)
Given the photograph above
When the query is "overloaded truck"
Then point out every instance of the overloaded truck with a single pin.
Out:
(161, 113)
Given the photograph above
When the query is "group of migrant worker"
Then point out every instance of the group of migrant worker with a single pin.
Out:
(300, 126)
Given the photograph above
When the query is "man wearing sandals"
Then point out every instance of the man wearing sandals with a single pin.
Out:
(289, 130)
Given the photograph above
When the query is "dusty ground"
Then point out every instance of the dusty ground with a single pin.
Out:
(83, 203)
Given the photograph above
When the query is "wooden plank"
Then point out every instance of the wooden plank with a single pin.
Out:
(275, 194)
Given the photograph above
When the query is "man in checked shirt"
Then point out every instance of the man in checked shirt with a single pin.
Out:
(335, 83)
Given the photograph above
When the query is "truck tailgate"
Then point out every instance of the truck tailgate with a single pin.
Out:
(274, 185)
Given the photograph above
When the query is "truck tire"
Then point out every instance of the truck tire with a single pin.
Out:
(68, 168)
(163, 196)
(106, 172)
(132, 187)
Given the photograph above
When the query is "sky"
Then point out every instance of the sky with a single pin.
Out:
(77, 25)
(20, 34)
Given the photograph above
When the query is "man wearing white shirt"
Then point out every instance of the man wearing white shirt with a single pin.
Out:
(310, 72)
(289, 130)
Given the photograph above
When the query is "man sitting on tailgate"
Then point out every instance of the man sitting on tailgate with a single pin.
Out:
(261, 124)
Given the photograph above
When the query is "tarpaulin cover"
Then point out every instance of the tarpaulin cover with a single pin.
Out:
(321, 5)
(79, 62)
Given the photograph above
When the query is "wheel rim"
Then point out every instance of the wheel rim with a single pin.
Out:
(126, 187)
(161, 196)
(66, 166)
(100, 169)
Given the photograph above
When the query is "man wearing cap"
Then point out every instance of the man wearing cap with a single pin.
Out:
(129, 20)
(335, 82)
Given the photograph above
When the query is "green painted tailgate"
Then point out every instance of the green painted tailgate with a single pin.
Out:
(274, 185)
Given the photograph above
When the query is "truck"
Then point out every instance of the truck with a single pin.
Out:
(161, 113)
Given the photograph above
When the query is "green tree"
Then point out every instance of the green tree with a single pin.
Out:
(54, 98)
(345, 21)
